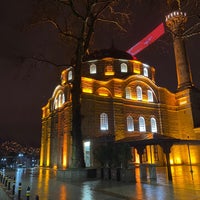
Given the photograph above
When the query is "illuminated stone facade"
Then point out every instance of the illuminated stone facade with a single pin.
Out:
(119, 99)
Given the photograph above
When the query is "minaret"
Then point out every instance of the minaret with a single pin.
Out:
(175, 21)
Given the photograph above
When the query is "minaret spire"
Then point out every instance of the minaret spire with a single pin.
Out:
(175, 21)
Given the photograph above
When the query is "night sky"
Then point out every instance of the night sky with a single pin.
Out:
(26, 85)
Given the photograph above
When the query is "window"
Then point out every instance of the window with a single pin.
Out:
(55, 103)
(139, 93)
(70, 75)
(153, 125)
(93, 69)
(142, 126)
(130, 124)
(124, 67)
(104, 121)
(63, 98)
(109, 70)
(150, 96)
(145, 72)
(128, 93)
(86, 146)
(59, 100)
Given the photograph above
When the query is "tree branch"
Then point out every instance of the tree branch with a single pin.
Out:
(113, 22)
(191, 28)
(43, 60)
(191, 34)
(71, 5)
(58, 28)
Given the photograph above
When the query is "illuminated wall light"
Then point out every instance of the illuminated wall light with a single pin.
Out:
(171, 161)
(84, 79)
(137, 62)
(102, 94)
(64, 150)
(48, 153)
(177, 160)
(87, 90)
(136, 67)
(182, 101)
(118, 95)
(109, 73)
(137, 71)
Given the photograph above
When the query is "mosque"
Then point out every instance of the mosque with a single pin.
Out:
(121, 101)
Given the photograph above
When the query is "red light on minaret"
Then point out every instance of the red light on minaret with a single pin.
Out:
(149, 39)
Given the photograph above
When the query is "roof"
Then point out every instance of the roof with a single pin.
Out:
(148, 139)
(104, 53)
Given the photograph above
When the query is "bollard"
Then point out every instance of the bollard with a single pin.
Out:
(13, 189)
(9, 180)
(37, 197)
(19, 191)
(27, 193)
(6, 181)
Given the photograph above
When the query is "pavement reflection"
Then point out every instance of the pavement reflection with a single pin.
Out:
(43, 182)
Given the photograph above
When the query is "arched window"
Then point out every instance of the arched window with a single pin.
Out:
(142, 126)
(150, 96)
(128, 93)
(130, 124)
(55, 103)
(93, 69)
(104, 121)
(145, 72)
(139, 93)
(70, 75)
(153, 125)
(63, 98)
(109, 70)
(124, 67)
(59, 100)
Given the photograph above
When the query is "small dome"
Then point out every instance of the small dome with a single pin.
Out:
(112, 53)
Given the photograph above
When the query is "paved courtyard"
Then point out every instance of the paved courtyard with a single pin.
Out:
(185, 185)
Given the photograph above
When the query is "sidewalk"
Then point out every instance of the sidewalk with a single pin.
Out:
(185, 186)
(3, 195)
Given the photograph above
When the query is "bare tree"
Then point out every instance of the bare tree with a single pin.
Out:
(75, 22)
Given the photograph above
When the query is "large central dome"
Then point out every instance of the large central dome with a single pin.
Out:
(112, 53)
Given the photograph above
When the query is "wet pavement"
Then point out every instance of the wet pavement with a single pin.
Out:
(43, 182)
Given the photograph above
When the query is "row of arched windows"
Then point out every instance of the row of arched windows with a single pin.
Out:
(123, 68)
(130, 123)
(139, 94)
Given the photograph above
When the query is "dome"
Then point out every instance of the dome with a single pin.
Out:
(112, 53)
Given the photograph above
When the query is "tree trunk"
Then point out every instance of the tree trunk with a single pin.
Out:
(77, 144)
